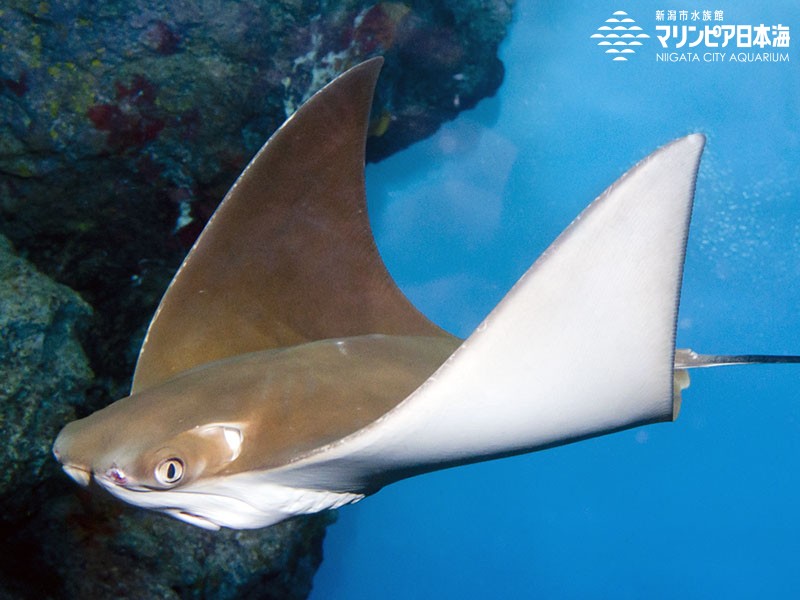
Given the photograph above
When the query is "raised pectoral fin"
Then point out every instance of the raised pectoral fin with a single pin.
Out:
(289, 256)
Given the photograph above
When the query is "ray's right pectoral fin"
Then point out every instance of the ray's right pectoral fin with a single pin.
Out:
(582, 345)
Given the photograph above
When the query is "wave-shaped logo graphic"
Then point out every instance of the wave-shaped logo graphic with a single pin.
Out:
(620, 36)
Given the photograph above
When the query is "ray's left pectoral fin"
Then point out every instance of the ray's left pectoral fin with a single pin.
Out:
(288, 257)
(582, 345)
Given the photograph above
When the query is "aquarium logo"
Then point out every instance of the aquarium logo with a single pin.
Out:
(720, 42)
(620, 36)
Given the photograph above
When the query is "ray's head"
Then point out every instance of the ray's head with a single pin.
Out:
(148, 443)
(159, 457)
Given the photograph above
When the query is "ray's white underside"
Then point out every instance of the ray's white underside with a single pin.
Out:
(243, 501)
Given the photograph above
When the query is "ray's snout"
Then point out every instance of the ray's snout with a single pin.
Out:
(81, 474)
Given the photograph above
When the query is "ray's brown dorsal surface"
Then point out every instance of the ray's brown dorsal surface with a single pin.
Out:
(289, 256)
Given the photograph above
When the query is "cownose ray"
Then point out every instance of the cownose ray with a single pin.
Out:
(285, 373)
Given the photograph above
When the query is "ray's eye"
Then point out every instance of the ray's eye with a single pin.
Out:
(169, 471)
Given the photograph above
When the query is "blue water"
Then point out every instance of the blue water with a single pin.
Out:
(705, 507)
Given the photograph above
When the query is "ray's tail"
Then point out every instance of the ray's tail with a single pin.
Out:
(689, 359)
